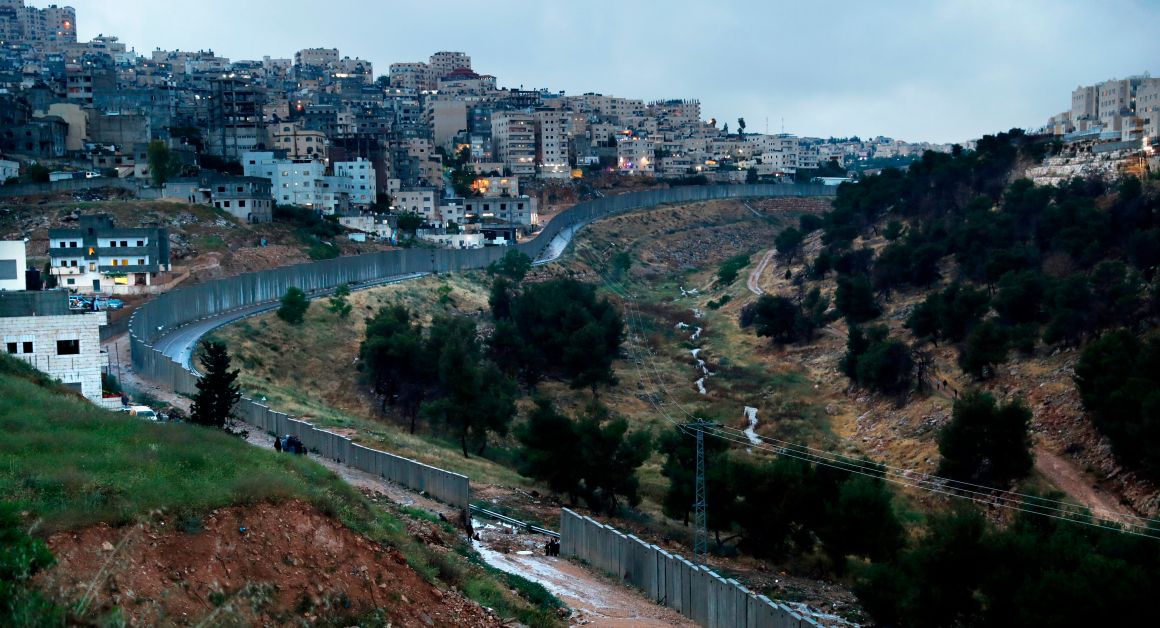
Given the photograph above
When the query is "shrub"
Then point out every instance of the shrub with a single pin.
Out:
(986, 443)
(294, 306)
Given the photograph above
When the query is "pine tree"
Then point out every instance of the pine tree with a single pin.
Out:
(217, 389)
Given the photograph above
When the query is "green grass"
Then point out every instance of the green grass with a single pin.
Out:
(70, 464)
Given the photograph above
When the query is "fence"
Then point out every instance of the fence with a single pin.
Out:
(68, 185)
(176, 308)
(692, 590)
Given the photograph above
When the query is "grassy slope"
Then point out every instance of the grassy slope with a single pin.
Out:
(310, 370)
(69, 464)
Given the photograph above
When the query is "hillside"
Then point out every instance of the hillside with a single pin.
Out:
(175, 524)
(205, 243)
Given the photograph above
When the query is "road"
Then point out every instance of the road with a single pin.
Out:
(754, 281)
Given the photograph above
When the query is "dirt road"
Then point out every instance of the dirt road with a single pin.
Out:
(754, 281)
(1072, 481)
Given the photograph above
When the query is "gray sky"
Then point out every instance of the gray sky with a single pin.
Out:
(945, 70)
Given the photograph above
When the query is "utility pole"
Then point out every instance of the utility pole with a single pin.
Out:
(700, 501)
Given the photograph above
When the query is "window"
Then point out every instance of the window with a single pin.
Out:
(70, 281)
(124, 243)
(226, 204)
(241, 203)
(26, 346)
(114, 262)
(140, 261)
(140, 243)
(11, 346)
(124, 262)
(221, 188)
(113, 244)
(68, 347)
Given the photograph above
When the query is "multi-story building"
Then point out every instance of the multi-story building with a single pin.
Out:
(519, 210)
(293, 182)
(316, 57)
(635, 155)
(416, 76)
(8, 170)
(553, 135)
(1115, 98)
(514, 135)
(248, 199)
(361, 175)
(50, 25)
(40, 328)
(100, 257)
(444, 63)
(422, 201)
(235, 116)
(298, 143)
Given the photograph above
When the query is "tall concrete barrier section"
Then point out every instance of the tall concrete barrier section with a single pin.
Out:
(693, 591)
(176, 308)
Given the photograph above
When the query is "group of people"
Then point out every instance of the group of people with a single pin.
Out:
(552, 547)
(289, 444)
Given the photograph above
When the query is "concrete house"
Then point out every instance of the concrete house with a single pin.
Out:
(100, 257)
(40, 328)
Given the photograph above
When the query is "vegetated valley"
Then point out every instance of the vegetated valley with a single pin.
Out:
(951, 319)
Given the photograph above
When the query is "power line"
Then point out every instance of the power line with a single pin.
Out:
(903, 477)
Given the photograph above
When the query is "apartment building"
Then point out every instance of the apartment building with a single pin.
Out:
(635, 155)
(415, 75)
(40, 328)
(361, 178)
(444, 63)
(519, 210)
(553, 138)
(514, 136)
(293, 182)
(422, 201)
(316, 57)
(298, 142)
(100, 257)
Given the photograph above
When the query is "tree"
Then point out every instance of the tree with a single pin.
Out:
(473, 397)
(37, 173)
(409, 222)
(740, 127)
(986, 443)
(338, 303)
(549, 451)
(614, 456)
(163, 163)
(886, 366)
(861, 522)
(514, 265)
(680, 451)
(854, 298)
(788, 242)
(809, 223)
(893, 230)
(1118, 378)
(751, 176)
(397, 361)
(778, 318)
(294, 306)
(217, 388)
(986, 346)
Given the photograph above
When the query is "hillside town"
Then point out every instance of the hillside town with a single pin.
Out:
(323, 131)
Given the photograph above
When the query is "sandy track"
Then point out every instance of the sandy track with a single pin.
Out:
(754, 281)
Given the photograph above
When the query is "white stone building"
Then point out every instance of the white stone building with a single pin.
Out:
(39, 328)
(13, 262)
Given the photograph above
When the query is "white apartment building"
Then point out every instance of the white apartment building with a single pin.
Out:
(514, 135)
(292, 182)
(361, 176)
(552, 141)
(39, 328)
(520, 210)
(416, 76)
(299, 143)
(1114, 103)
(318, 57)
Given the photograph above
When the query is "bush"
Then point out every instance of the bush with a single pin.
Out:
(294, 306)
(986, 443)
(878, 362)
(727, 274)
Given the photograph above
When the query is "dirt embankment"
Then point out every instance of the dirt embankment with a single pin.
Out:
(260, 565)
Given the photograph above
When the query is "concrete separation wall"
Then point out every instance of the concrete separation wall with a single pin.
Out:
(171, 310)
(68, 185)
(694, 591)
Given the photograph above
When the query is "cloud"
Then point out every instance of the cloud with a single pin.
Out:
(939, 71)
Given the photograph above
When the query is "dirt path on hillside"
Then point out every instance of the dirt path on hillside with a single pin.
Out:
(754, 281)
(1064, 475)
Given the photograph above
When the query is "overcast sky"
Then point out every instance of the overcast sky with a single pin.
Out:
(945, 70)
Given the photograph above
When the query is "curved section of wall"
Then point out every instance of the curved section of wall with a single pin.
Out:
(173, 309)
